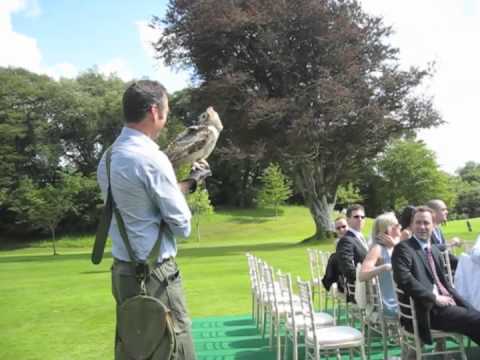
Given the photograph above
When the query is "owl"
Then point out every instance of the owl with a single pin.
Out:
(197, 141)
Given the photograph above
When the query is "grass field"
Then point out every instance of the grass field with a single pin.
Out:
(61, 307)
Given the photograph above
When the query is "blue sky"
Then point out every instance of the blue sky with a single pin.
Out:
(64, 37)
(85, 32)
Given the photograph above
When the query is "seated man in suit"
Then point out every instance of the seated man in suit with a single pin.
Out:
(352, 247)
(332, 271)
(417, 270)
(441, 212)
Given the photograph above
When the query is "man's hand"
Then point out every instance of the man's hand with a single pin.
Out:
(455, 242)
(387, 267)
(388, 241)
(405, 234)
(200, 171)
(441, 300)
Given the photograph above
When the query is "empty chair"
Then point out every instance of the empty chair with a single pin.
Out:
(295, 320)
(324, 340)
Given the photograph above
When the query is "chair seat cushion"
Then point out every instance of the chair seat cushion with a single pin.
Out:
(321, 319)
(336, 335)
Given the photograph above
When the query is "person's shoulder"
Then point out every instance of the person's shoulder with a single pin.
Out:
(403, 247)
(157, 162)
(376, 249)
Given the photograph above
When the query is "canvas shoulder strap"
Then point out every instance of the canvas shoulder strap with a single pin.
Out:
(109, 209)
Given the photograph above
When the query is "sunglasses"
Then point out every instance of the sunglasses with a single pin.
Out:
(359, 216)
(341, 227)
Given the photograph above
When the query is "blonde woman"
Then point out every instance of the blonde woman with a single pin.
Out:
(385, 235)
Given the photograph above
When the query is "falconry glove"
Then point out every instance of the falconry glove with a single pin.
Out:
(198, 174)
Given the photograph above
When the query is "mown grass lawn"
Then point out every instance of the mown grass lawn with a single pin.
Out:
(61, 307)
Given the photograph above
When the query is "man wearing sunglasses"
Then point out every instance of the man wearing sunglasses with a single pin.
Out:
(332, 271)
(352, 247)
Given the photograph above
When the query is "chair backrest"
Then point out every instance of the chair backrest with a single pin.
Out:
(305, 293)
(252, 272)
(262, 282)
(374, 296)
(314, 262)
(323, 257)
(271, 288)
(350, 290)
(286, 291)
(406, 310)
(448, 266)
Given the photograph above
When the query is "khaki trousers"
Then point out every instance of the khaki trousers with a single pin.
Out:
(164, 284)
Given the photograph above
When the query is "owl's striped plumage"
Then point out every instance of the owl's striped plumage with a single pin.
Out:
(196, 142)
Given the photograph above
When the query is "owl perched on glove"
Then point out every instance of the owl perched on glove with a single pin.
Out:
(196, 142)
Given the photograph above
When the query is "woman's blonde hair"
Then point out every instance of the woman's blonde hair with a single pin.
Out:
(381, 225)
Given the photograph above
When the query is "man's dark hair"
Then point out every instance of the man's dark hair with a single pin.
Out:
(423, 208)
(353, 208)
(139, 97)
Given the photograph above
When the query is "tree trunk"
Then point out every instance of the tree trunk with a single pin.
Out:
(52, 230)
(320, 198)
(197, 226)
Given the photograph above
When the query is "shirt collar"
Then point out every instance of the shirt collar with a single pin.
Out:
(138, 136)
(423, 244)
(358, 234)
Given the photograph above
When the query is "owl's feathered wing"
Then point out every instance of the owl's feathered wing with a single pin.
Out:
(193, 144)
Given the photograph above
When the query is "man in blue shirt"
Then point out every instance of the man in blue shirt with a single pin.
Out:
(151, 204)
(438, 239)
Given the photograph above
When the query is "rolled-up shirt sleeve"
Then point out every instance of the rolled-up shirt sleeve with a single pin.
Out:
(162, 185)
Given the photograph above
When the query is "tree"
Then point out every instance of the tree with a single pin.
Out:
(470, 173)
(200, 206)
(314, 84)
(276, 188)
(348, 194)
(469, 200)
(410, 175)
(44, 207)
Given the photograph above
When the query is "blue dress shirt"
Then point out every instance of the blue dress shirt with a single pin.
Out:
(145, 189)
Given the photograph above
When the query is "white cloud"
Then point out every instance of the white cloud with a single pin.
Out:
(23, 51)
(170, 78)
(17, 49)
(117, 66)
(445, 32)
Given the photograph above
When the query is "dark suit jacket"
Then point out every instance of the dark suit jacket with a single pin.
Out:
(350, 252)
(333, 274)
(441, 244)
(413, 275)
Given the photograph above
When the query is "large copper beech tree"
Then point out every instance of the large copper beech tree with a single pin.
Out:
(313, 84)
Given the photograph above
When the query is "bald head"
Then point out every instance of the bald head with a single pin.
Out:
(440, 210)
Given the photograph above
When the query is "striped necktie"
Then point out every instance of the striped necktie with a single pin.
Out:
(442, 289)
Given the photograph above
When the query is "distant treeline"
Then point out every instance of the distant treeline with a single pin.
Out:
(52, 134)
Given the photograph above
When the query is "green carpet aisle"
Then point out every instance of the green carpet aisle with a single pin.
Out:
(237, 338)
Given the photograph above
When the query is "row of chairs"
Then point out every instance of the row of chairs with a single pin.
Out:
(275, 303)
(371, 319)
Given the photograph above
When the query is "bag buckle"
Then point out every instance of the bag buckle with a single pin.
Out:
(142, 272)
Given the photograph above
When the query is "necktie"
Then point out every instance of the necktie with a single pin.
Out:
(443, 291)
(439, 236)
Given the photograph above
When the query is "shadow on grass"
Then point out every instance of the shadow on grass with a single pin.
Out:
(50, 257)
(94, 272)
(254, 216)
(248, 220)
(240, 322)
(189, 252)
(235, 249)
